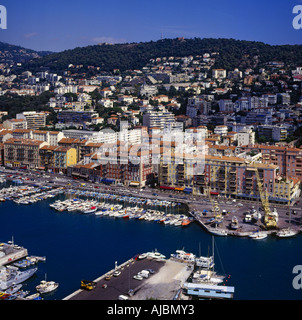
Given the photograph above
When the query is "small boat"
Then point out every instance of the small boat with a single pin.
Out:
(185, 222)
(177, 223)
(13, 289)
(91, 210)
(258, 235)
(35, 296)
(47, 286)
(286, 233)
(218, 232)
(142, 256)
(21, 294)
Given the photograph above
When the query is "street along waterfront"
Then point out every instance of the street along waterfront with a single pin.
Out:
(80, 246)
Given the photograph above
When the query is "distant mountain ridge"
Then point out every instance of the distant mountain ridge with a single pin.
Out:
(232, 54)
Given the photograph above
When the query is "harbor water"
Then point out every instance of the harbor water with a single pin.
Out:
(79, 246)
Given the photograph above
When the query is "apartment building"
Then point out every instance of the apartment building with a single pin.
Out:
(35, 120)
(226, 105)
(162, 120)
(57, 158)
(78, 144)
(221, 130)
(230, 177)
(197, 105)
(276, 133)
(132, 168)
(246, 137)
(51, 137)
(13, 124)
(22, 152)
(219, 73)
(288, 160)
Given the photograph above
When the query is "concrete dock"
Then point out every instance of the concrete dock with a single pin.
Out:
(10, 253)
(163, 284)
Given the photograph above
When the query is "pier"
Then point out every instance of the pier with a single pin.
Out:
(163, 284)
(9, 252)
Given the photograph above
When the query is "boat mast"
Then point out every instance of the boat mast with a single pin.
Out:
(213, 251)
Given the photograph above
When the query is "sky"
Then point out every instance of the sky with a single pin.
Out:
(57, 25)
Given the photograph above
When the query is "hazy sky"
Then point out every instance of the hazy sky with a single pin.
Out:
(59, 25)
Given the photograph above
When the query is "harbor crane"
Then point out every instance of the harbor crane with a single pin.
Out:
(270, 218)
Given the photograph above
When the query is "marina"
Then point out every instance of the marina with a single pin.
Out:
(144, 222)
(17, 270)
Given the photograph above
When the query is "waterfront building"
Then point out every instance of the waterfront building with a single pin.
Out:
(230, 177)
(22, 152)
(119, 165)
(289, 160)
(78, 144)
(57, 158)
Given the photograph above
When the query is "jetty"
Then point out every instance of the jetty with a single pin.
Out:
(10, 252)
(165, 279)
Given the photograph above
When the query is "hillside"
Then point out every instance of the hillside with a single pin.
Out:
(10, 54)
(232, 54)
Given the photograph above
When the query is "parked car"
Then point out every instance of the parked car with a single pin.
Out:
(138, 277)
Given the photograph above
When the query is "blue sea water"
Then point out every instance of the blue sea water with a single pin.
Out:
(80, 246)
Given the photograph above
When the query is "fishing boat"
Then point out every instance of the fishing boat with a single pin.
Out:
(258, 235)
(207, 276)
(286, 233)
(218, 232)
(47, 286)
(183, 256)
(155, 255)
(204, 262)
(35, 296)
